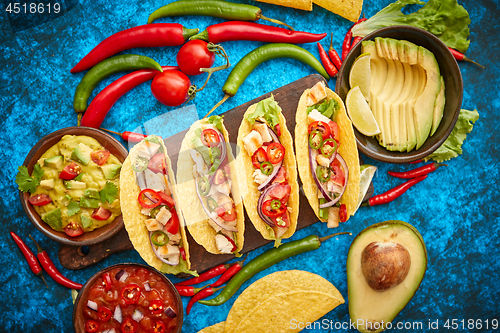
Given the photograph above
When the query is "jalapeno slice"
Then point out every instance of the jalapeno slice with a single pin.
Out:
(203, 186)
(315, 140)
(140, 164)
(275, 204)
(323, 173)
(212, 204)
(214, 153)
(156, 210)
(266, 168)
(329, 147)
(159, 238)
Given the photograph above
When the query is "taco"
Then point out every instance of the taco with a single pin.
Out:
(150, 209)
(327, 155)
(266, 165)
(206, 177)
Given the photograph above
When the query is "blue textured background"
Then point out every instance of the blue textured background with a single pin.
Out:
(455, 209)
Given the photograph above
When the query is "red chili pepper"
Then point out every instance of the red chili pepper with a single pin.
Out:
(423, 170)
(327, 63)
(415, 162)
(334, 55)
(346, 45)
(216, 271)
(238, 30)
(229, 273)
(355, 41)
(204, 293)
(394, 192)
(30, 257)
(127, 136)
(188, 290)
(102, 103)
(149, 35)
(51, 269)
(460, 56)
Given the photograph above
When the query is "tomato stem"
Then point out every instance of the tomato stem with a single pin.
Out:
(218, 50)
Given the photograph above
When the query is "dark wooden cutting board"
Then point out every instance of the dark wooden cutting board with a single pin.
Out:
(288, 98)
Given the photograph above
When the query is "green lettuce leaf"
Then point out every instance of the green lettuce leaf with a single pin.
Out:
(444, 18)
(180, 268)
(216, 121)
(327, 108)
(452, 147)
(268, 109)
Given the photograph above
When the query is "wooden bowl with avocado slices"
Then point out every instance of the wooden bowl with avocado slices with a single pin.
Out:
(74, 196)
(415, 92)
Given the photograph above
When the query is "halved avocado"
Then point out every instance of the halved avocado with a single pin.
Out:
(369, 307)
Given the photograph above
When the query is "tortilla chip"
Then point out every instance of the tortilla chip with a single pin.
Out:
(217, 328)
(347, 149)
(195, 217)
(245, 171)
(297, 4)
(349, 9)
(131, 210)
(289, 295)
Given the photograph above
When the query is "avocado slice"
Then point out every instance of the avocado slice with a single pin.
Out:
(438, 107)
(74, 185)
(53, 219)
(53, 162)
(111, 170)
(371, 303)
(419, 84)
(47, 184)
(82, 153)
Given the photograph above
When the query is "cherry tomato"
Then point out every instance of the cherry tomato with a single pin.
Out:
(157, 164)
(104, 314)
(343, 213)
(275, 152)
(101, 214)
(131, 293)
(39, 199)
(107, 282)
(171, 87)
(320, 126)
(194, 55)
(210, 137)
(334, 130)
(91, 326)
(149, 198)
(337, 175)
(219, 177)
(281, 192)
(100, 157)
(73, 229)
(280, 176)
(70, 171)
(259, 157)
(166, 199)
(278, 129)
(129, 325)
(172, 225)
(159, 327)
(156, 307)
(227, 212)
(268, 210)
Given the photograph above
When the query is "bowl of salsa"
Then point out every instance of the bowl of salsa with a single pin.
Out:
(69, 187)
(128, 298)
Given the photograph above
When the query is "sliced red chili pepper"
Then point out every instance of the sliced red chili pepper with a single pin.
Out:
(320, 126)
(99, 157)
(70, 171)
(210, 137)
(101, 214)
(156, 307)
(104, 314)
(149, 198)
(107, 282)
(39, 199)
(259, 157)
(343, 213)
(158, 327)
(269, 211)
(91, 326)
(157, 164)
(275, 152)
(129, 325)
(131, 293)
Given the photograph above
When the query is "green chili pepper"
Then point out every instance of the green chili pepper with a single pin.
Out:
(323, 173)
(106, 68)
(214, 153)
(266, 168)
(266, 260)
(159, 238)
(328, 149)
(275, 204)
(203, 186)
(156, 210)
(323, 212)
(140, 164)
(212, 204)
(315, 140)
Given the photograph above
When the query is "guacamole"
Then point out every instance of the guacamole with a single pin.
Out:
(79, 187)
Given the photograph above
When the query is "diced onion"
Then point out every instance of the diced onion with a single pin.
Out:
(137, 315)
(147, 287)
(121, 276)
(118, 314)
(169, 312)
(92, 305)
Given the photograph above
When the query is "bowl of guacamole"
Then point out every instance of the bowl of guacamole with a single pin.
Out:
(69, 185)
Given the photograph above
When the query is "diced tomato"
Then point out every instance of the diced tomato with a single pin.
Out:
(284, 221)
(70, 171)
(210, 138)
(227, 212)
(232, 243)
(219, 177)
(334, 130)
(156, 307)
(149, 198)
(159, 327)
(131, 293)
(166, 199)
(172, 225)
(337, 175)
(129, 325)
(107, 282)
(281, 192)
(157, 164)
(183, 253)
(280, 176)
(343, 213)
(39, 199)
(91, 326)
(275, 152)
(100, 157)
(259, 157)
(73, 229)
(321, 127)
(101, 214)
(269, 211)
(278, 129)
(104, 314)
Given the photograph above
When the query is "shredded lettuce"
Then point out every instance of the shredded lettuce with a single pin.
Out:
(446, 19)
(452, 147)
(216, 121)
(328, 108)
(268, 109)
(180, 268)
(200, 147)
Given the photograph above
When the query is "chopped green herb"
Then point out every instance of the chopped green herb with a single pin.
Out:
(109, 192)
(73, 208)
(25, 182)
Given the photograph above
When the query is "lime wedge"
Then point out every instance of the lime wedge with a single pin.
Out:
(367, 173)
(360, 74)
(361, 116)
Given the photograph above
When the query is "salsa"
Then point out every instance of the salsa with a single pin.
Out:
(146, 302)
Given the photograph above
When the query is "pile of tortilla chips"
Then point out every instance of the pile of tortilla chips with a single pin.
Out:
(349, 9)
(277, 301)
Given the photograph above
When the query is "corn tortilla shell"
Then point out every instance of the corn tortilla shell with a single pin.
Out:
(297, 4)
(131, 210)
(245, 171)
(217, 328)
(195, 217)
(347, 149)
(349, 9)
(294, 294)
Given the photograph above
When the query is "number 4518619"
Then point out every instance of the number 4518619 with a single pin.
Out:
(32, 8)
(472, 324)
